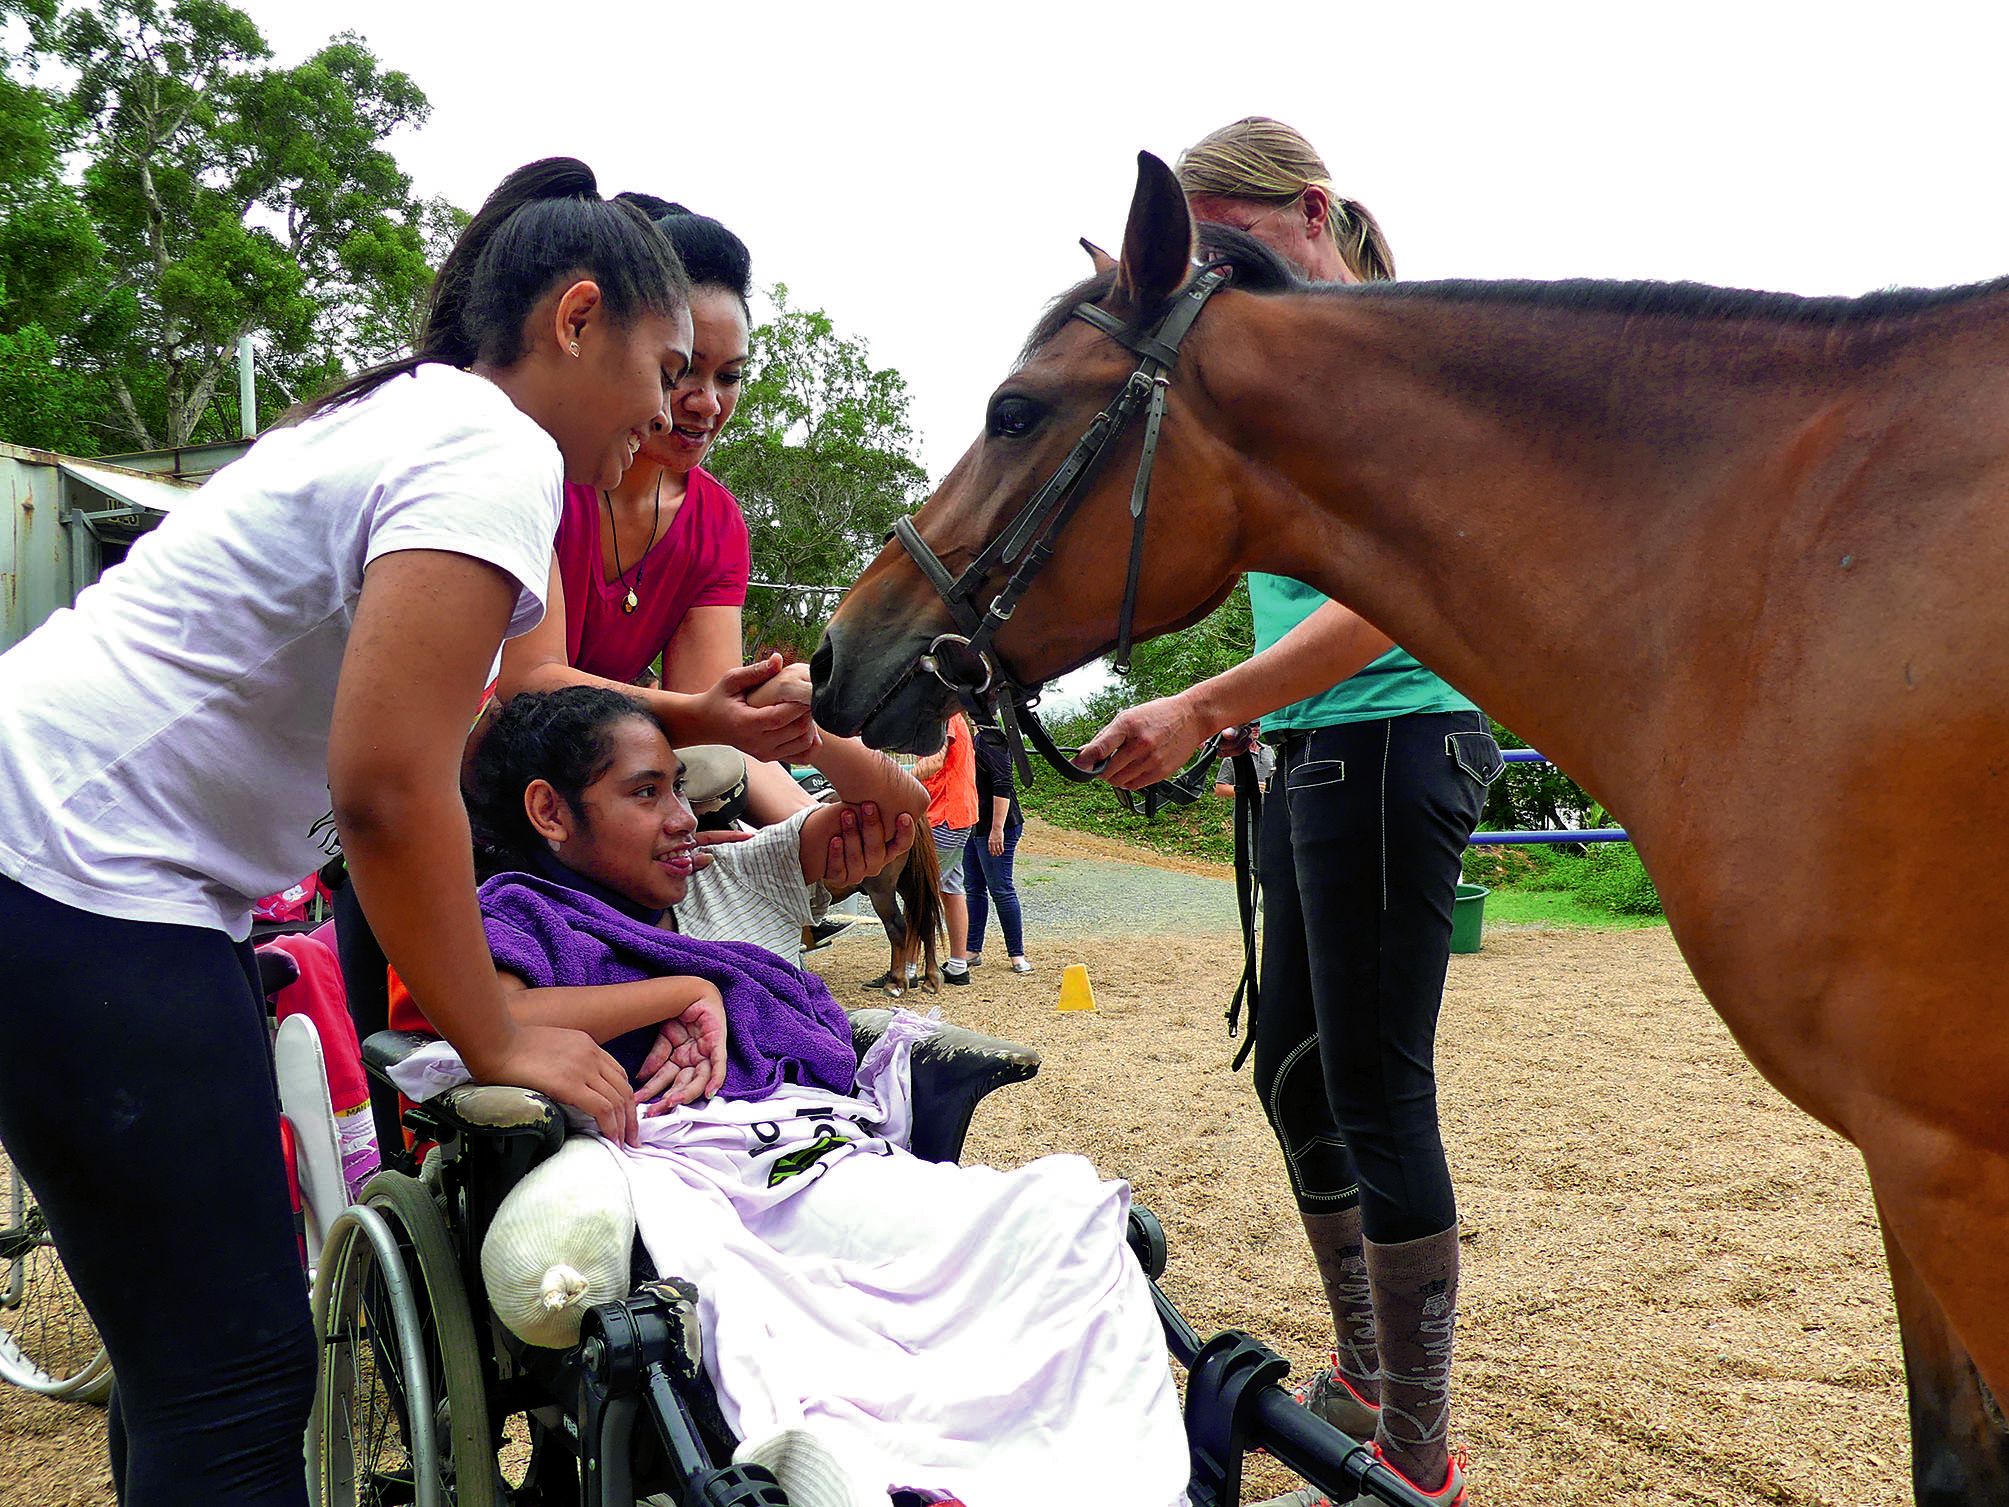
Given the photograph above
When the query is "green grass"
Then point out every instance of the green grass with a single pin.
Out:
(1605, 886)
(1203, 830)
(1517, 907)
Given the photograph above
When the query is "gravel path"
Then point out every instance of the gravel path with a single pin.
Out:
(1073, 884)
(1100, 897)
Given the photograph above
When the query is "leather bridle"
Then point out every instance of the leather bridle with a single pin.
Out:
(967, 661)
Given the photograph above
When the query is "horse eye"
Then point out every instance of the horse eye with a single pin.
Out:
(1013, 418)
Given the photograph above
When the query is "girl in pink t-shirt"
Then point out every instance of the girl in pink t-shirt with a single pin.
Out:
(659, 563)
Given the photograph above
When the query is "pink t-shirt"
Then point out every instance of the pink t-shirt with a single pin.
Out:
(701, 560)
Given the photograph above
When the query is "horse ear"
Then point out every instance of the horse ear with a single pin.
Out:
(1104, 262)
(1158, 241)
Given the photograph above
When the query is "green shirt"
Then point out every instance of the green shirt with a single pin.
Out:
(1392, 686)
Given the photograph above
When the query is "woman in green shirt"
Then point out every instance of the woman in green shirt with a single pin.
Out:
(1381, 773)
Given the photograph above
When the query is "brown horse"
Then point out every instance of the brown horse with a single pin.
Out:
(1737, 562)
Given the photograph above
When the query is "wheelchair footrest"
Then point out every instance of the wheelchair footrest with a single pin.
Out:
(645, 1354)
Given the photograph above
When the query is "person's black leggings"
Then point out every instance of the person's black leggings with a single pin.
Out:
(137, 1098)
(1364, 833)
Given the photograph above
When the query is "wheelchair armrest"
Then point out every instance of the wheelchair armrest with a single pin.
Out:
(473, 1109)
(953, 1069)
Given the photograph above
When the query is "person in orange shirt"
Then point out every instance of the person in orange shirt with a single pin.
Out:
(951, 778)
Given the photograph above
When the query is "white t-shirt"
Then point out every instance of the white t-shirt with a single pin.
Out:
(164, 743)
(752, 891)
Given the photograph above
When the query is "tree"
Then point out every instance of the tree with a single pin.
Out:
(47, 248)
(822, 458)
(1168, 665)
(217, 196)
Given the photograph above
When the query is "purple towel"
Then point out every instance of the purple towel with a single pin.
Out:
(782, 1026)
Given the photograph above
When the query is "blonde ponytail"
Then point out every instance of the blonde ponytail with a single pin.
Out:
(1266, 162)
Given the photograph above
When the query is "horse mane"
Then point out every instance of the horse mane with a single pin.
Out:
(1699, 302)
(1258, 269)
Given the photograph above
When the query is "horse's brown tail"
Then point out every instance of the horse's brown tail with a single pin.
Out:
(920, 892)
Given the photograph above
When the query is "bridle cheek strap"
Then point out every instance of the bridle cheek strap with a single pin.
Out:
(965, 661)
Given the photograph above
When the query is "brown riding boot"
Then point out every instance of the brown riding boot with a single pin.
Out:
(1415, 1287)
(1348, 1396)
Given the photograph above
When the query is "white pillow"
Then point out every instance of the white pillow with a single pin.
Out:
(560, 1243)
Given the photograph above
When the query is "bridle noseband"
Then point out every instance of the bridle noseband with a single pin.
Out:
(967, 662)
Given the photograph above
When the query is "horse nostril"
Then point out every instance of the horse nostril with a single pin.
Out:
(820, 664)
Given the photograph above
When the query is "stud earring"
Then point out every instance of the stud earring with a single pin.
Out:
(574, 347)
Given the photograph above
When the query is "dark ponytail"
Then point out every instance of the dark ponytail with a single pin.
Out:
(564, 738)
(544, 224)
(712, 255)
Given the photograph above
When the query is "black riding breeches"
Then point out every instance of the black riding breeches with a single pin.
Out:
(1364, 834)
(137, 1098)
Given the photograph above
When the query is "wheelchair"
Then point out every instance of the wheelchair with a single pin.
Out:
(423, 1397)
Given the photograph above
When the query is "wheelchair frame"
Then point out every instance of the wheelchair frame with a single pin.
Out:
(628, 1411)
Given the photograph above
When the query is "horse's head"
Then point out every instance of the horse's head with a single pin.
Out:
(884, 668)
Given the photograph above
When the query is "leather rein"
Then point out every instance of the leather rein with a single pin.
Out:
(968, 662)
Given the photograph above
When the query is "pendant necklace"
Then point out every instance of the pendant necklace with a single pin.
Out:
(631, 601)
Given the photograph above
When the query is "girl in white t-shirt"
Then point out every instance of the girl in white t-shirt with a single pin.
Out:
(302, 643)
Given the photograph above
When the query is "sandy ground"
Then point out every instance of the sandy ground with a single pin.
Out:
(1673, 1289)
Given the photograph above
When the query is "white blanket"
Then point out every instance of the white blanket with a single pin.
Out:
(960, 1329)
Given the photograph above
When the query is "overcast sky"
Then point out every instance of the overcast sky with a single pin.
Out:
(922, 171)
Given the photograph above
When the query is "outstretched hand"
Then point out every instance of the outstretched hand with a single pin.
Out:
(687, 1062)
(863, 844)
(1145, 743)
(760, 709)
(568, 1066)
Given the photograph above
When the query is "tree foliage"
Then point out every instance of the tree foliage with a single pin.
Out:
(822, 458)
(173, 190)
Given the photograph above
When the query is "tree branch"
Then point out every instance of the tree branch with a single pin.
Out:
(138, 426)
(205, 386)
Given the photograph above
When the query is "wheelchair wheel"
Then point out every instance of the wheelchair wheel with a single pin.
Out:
(48, 1344)
(399, 1411)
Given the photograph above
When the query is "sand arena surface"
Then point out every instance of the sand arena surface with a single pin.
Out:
(1673, 1290)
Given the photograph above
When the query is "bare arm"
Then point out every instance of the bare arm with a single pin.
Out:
(394, 750)
(707, 643)
(1000, 812)
(688, 1060)
(858, 775)
(879, 806)
(605, 1011)
(1151, 741)
(705, 647)
(715, 713)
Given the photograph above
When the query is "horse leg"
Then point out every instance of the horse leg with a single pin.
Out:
(879, 890)
(1959, 1441)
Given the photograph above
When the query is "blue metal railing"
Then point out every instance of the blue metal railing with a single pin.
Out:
(1562, 834)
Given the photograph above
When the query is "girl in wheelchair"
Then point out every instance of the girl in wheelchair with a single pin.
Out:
(906, 1323)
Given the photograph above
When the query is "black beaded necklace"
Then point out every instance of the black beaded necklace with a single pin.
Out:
(631, 601)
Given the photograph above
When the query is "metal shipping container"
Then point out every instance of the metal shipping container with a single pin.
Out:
(66, 522)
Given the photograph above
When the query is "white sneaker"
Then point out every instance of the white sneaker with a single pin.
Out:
(805, 1469)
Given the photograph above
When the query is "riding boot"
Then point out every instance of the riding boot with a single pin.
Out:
(1347, 1400)
(1415, 1286)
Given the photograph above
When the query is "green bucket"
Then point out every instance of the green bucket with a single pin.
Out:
(1468, 916)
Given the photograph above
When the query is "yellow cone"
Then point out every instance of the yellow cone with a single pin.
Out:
(1075, 991)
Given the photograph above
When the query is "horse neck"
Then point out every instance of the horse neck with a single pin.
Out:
(1513, 496)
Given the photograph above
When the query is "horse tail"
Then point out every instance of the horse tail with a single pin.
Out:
(920, 892)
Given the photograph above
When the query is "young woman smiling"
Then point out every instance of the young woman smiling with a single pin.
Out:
(305, 641)
(658, 564)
